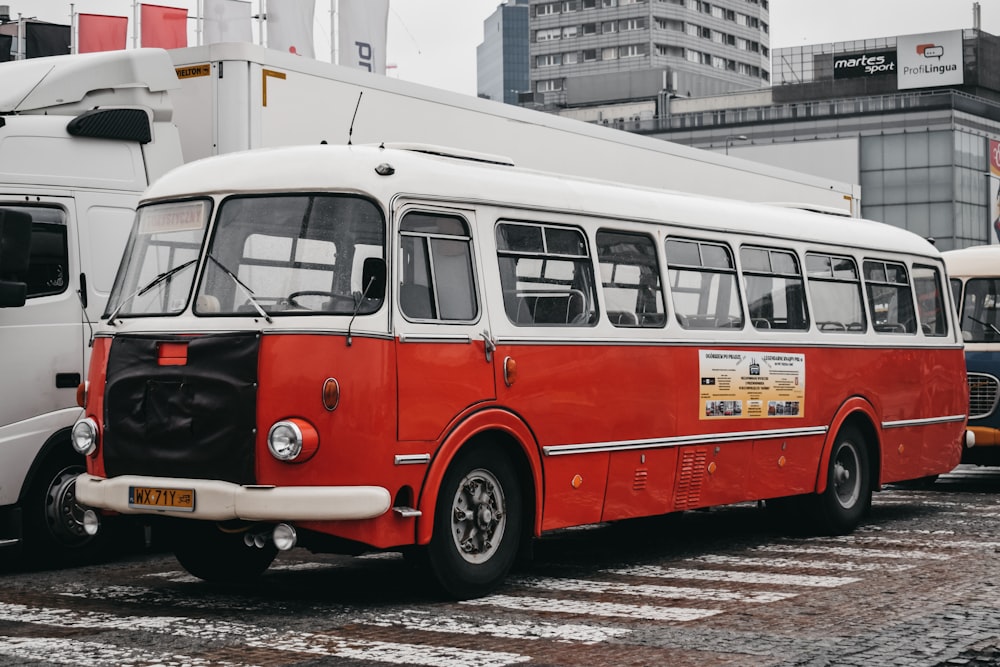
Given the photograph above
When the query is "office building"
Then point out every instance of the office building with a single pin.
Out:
(502, 59)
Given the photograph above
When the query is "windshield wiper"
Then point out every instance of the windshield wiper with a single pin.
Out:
(250, 296)
(985, 324)
(166, 275)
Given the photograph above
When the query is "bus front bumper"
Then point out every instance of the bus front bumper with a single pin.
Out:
(214, 500)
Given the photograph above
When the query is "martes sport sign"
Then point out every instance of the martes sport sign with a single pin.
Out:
(857, 65)
(929, 60)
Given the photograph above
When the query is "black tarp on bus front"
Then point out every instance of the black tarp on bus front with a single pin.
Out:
(192, 419)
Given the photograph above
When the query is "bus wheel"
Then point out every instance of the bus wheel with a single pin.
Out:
(216, 556)
(477, 524)
(848, 493)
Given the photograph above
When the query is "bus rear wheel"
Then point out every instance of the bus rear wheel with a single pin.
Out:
(477, 524)
(848, 493)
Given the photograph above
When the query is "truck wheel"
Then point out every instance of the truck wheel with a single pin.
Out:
(477, 524)
(848, 493)
(216, 556)
(53, 521)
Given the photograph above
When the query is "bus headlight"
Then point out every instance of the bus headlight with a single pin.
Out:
(292, 440)
(84, 436)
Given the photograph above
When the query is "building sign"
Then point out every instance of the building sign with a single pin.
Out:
(739, 385)
(930, 59)
(857, 65)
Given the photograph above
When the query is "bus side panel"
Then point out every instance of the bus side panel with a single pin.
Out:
(574, 489)
(784, 466)
(640, 483)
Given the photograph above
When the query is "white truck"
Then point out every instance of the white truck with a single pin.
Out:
(82, 136)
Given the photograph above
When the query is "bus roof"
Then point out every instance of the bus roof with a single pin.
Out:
(980, 260)
(433, 175)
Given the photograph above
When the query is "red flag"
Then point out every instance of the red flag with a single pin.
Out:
(163, 27)
(98, 32)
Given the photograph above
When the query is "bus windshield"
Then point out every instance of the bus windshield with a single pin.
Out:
(981, 311)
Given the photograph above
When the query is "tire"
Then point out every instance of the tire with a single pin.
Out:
(848, 494)
(477, 524)
(209, 553)
(53, 521)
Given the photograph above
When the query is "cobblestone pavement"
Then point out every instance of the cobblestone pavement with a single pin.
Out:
(916, 586)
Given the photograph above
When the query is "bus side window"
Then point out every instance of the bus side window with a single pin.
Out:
(835, 293)
(703, 285)
(546, 274)
(437, 276)
(890, 298)
(930, 300)
(631, 279)
(775, 293)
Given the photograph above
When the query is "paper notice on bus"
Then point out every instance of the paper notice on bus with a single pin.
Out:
(738, 384)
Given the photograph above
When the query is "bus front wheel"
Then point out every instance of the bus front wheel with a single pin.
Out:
(848, 493)
(477, 524)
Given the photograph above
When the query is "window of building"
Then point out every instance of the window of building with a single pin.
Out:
(718, 12)
(571, 58)
(692, 29)
(609, 27)
(589, 28)
(549, 60)
(609, 53)
(547, 34)
(549, 86)
(571, 6)
(547, 9)
(546, 274)
(570, 31)
(889, 297)
(703, 285)
(437, 277)
(589, 55)
(670, 24)
(775, 289)
(835, 293)
(609, 3)
(669, 50)
(589, 4)
(633, 24)
(630, 51)
(630, 277)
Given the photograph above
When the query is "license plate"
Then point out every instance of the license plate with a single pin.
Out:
(152, 497)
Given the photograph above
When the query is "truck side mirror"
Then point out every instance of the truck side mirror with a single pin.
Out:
(15, 252)
(373, 283)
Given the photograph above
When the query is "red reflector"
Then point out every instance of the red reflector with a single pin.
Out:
(173, 354)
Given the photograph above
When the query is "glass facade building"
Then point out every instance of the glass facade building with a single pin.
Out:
(502, 70)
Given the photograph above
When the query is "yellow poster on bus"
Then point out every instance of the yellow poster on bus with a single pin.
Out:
(737, 384)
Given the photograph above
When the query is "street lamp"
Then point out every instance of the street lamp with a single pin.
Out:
(730, 139)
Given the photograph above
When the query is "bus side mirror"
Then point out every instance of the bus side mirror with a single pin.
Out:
(373, 279)
(15, 252)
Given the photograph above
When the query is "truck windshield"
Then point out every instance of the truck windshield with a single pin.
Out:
(294, 254)
(154, 278)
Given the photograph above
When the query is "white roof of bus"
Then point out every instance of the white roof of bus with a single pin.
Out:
(351, 168)
(980, 260)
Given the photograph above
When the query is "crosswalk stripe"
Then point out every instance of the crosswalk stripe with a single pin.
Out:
(315, 644)
(582, 607)
(93, 654)
(852, 552)
(790, 563)
(648, 590)
(734, 576)
(577, 633)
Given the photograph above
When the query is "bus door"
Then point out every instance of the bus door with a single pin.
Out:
(444, 343)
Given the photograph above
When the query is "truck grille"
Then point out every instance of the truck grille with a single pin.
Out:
(983, 393)
(178, 406)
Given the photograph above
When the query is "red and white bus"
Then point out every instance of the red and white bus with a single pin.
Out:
(362, 348)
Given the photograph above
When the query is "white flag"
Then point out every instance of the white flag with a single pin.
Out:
(290, 26)
(227, 21)
(361, 34)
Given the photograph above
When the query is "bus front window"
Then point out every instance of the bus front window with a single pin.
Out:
(980, 316)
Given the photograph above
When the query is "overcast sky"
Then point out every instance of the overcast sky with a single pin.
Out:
(434, 41)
